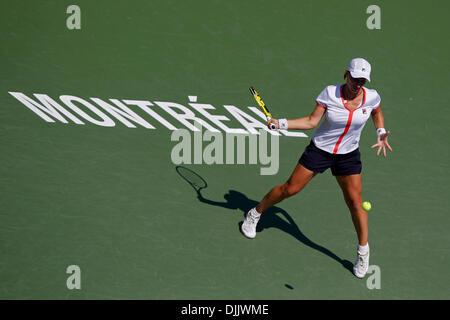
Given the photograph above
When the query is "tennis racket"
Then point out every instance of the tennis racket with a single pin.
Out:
(263, 106)
(196, 182)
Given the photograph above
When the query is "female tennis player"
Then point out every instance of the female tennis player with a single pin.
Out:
(335, 145)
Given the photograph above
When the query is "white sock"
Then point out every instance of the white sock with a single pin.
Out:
(363, 249)
(254, 212)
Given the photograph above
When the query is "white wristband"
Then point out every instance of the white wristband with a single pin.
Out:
(381, 131)
(282, 124)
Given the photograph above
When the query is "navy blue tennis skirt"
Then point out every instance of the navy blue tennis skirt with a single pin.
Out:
(318, 160)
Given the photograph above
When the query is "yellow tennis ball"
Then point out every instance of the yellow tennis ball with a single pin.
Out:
(366, 205)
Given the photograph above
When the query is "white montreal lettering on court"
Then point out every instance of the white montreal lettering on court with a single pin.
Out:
(146, 114)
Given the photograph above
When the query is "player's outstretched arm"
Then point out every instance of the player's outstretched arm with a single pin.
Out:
(305, 123)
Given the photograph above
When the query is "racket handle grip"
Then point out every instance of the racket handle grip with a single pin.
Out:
(272, 126)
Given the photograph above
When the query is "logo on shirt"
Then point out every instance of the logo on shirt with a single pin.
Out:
(364, 111)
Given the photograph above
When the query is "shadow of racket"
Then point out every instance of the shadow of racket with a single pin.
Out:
(195, 180)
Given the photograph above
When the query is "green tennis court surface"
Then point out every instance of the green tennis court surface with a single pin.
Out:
(110, 200)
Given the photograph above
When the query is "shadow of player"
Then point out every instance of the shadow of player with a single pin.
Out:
(271, 219)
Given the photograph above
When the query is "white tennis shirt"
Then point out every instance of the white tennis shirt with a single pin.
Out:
(339, 133)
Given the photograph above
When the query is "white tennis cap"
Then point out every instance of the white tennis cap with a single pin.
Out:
(359, 68)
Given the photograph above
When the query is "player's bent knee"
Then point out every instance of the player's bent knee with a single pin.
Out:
(290, 189)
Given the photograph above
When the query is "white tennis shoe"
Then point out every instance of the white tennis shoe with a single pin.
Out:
(248, 227)
(361, 265)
